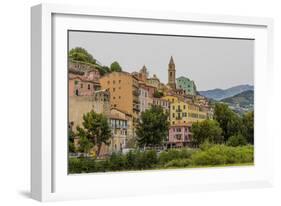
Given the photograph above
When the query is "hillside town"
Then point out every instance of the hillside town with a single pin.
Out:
(123, 96)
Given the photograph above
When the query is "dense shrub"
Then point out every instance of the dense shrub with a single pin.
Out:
(117, 161)
(236, 140)
(178, 163)
(207, 155)
(221, 155)
(173, 154)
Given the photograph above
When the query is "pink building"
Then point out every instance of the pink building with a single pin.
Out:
(83, 79)
(179, 135)
(151, 90)
(80, 87)
(144, 98)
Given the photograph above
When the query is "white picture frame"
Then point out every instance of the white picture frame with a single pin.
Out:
(49, 178)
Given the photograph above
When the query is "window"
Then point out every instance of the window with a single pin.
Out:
(173, 115)
(108, 82)
(171, 74)
(119, 97)
(113, 97)
(119, 81)
(81, 86)
(183, 106)
(89, 86)
(173, 107)
(113, 89)
(113, 81)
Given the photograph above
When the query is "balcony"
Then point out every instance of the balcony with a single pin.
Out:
(136, 100)
(178, 110)
(136, 93)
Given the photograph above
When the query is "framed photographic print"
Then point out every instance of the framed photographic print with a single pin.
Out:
(136, 102)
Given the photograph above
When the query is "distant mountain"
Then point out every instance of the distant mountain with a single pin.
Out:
(244, 99)
(219, 94)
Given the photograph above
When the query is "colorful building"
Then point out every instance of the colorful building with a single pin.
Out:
(179, 136)
(122, 131)
(196, 113)
(83, 79)
(171, 98)
(165, 104)
(144, 97)
(124, 91)
(182, 113)
(178, 113)
(153, 81)
(99, 102)
(187, 85)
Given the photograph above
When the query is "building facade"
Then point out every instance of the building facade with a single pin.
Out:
(99, 102)
(153, 81)
(187, 85)
(179, 136)
(122, 132)
(178, 113)
(83, 79)
(144, 98)
(124, 91)
(165, 104)
(182, 113)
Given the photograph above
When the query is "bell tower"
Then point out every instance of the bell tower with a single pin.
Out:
(172, 74)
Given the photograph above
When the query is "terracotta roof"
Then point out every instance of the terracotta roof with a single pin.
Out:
(116, 116)
(120, 111)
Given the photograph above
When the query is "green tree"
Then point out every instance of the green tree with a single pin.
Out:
(115, 67)
(152, 129)
(230, 122)
(236, 140)
(81, 54)
(95, 129)
(71, 135)
(207, 130)
(158, 94)
(248, 127)
(104, 70)
(85, 145)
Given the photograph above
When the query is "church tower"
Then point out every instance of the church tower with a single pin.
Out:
(172, 74)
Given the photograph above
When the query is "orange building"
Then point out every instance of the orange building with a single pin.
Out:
(124, 91)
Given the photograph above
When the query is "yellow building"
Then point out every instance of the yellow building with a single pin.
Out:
(178, 113)
(124, 91)
(195, 113)
(182, 113)
(171, 98)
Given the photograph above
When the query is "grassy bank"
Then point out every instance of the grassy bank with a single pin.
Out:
(206, 156)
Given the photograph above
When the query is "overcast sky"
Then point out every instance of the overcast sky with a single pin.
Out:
(210, 62)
